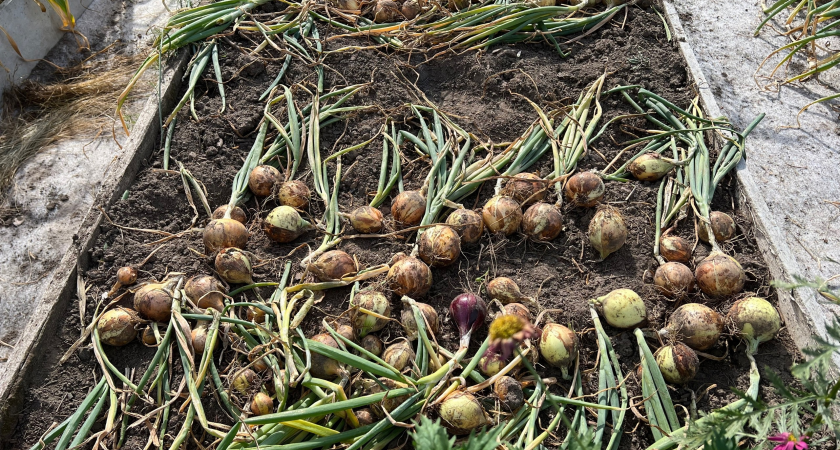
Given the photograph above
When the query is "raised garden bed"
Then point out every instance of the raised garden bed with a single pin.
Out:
(483, 92)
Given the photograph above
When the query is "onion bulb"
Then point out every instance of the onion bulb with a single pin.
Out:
(372, 344)
(333, 265)
(509, 392)
(408, 207)
(607, 231)
(294, 193)
(585, 189)
(365, 417)
(491, 363)
(244, 380)
(117, 326)
(389, 404)
(224, 233)
(675, 249)
(504, 290)
(410, 325)
(502, 215)
(148, 337)
(722, 226)
(755, 320)
(439, 246)
(126, 276)
(461, 413)
(468, 311)
(720, 275)
(262, 180)
(206, 292)
(199, 337)
(622, 308)
(695, 325)
(238, 214)
(677, 362)
(322, 366)
(259, 364)
(284, 224)
(345, 331)
(467, 223)
(649, 167)
(674, 280)
(386, 11)
(234, 266)
(366, 220)
(154, 301)
(409, 276)
(261, 404)
(542, 222)
(347, 5)
(410, 9)
(517, 309)
(559, 346)
(525, 188)
(398, 355)
(372, 301)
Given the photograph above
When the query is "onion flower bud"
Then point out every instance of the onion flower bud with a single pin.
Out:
(507, 332)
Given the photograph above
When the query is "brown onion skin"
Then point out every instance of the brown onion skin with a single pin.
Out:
(127, 276)
(585, 189)
(456, 5)
(675, 249)
(689, 317)
(284, 224)
(261, 404)
(372, 344)
(294, 193)
(509, 392)
(386, 11)
(722, 226)
(410, 9)
(518, 309)
(674, 280)
(408, 208)
(199, 339)
(504, 290)
(607, 231)
(244, 381)
(468, 224)
(346, 331)
(720, 275)
(649, 167)
(502, 215)
(117, 327)
(224, 233)
(322, 366)
(153, 302)
(238, 214)
(525, 188)
(234, 266)
(148, 337)
(255, 315)
(685, 361)
(410, 276)
(439, 246)
(410, 324)
(333, 265)
(206, 292)
(366, 220)
(542, 222)
(262, 179)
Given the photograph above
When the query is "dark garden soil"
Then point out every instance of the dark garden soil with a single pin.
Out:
(484, 92)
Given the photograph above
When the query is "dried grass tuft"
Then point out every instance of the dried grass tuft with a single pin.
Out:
(36, 115)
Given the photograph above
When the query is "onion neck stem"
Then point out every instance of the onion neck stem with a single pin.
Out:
(445, 369)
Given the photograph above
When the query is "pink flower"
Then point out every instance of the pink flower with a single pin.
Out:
(787, 441)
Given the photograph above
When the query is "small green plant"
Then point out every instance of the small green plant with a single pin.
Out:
(431, 435)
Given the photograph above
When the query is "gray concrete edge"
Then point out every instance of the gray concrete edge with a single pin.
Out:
(61, 288)
(802, 309)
